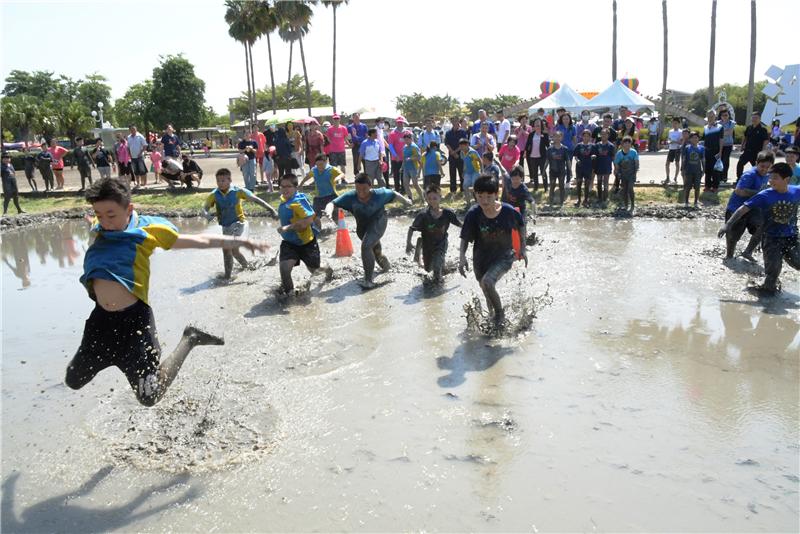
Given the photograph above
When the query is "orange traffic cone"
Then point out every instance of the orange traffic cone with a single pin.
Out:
(344, 246)
(516, 242)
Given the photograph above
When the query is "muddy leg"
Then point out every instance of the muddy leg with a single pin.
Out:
(227, 261)
(493, 304)
(286, 267)
(240, 258)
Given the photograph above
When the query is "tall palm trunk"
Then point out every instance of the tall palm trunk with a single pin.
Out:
(663, 107)
(289, 81)
(253, 106)
(750, 85)
(249, 86)
(333, 90)
(271, 74)
(712, 53)
(305, 72)
(614, 42)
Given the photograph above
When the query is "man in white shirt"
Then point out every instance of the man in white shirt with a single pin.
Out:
(372, 153)
(136, 147)
(504, 130)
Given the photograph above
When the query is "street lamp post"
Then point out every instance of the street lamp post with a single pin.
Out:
(100, 113)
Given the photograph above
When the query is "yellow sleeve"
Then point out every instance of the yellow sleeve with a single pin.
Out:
(335, 174)
(164, 235)
(210, 201)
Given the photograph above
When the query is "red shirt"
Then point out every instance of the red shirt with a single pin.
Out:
(337, 136)
(58, 152)
(509, 157)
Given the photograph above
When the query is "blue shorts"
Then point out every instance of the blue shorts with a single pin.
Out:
(469, 180)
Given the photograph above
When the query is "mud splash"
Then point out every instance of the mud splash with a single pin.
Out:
(521, 307)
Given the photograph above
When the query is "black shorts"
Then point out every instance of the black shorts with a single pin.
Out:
(433, 254)
(319, 204)
(337, 159)
(308, 253)
(124, 169)
(582, 173)
(125, 339)
(750, 221)
(138, 167)
(85, 172)
(494, 267)
(673, 155)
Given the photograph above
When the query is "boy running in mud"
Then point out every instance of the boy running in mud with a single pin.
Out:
(751, 182)
(298, 233)
(121, 330)
(227, 199)
(432, 224)
(367, 206)
(780, 242)
(488, 225)
(626, 165)
(692, 168)
(325, 178)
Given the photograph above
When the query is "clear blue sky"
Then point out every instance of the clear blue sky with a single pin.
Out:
(467, 48)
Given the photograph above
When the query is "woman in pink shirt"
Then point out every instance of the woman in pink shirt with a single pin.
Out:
(509, 153)
(58, 152)
(123, 157)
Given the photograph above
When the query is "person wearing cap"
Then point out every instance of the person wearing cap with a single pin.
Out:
(792, 154)
(10, 191)
(779, 204)
(357, 131)
(756, 138)
(337, 135)
(483, 117)
(396, 144)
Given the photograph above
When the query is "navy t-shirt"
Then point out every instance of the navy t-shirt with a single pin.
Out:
(583, 153)
(491, 237)
(557, 160)
(605, 156)
(516, 197)
(434, 229)
(779, 209)
(171, 145)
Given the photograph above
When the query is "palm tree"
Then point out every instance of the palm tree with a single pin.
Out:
(663, 106)
(750, 86)
(334, 4)
(267, 22)
(614, 42)
(241, 27)
(295, 19)
(288, 37)
(712, 53)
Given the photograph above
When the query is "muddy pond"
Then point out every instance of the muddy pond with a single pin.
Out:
(650, 393)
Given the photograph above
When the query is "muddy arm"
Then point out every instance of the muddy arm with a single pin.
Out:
(216, 241)
(738, 214)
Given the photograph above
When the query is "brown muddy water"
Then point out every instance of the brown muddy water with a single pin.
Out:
(651, 393)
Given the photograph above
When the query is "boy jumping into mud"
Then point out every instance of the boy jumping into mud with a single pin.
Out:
(488, 225)
(227, 199)
(121, 330)
(298, 233)
(780, 243)
(432, 224)
(367, 206)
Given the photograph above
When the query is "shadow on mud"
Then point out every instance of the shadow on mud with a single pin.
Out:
(60, 514)
(473, 355)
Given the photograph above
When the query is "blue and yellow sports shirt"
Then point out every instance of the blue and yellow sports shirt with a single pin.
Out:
(472, 163)
(325, 181)
(292, 210)
(124, 256)
(228, 204)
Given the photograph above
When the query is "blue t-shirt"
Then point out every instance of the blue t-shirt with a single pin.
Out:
(124, 256)
(228, 204)
(430, 162)
(410, 167)
(779, 209)
(693, 159)
(476, 127)
(492, 237)
(605, 155)
(568, 134)
(295, 209)
(557, 160)
(749, 180)
(627, 164)
(171, 145)
(795, 178)
(583, 153)
(365, 212)
(425, 139)
(472, 163)
(358, 133)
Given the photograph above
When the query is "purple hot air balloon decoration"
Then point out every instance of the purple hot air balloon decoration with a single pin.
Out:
(631, 83)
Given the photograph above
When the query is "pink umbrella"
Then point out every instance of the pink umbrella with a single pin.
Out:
(308, 120)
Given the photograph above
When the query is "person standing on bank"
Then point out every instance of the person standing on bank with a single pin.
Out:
(756, 138)
(136, 146)
(454, 161)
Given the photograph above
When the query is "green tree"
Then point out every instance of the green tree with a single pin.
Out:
(178, 94)
(136, 107)
(22, 115)
(73, 119)
(93, 89)
(491, 104)
(736, 96)
(335, 5)
(295, 96)
(294, 18)
(38, 84)
(242, 19)
(266, 21)
(417, 107)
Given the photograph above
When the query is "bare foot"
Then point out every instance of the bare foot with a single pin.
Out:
(199, 337)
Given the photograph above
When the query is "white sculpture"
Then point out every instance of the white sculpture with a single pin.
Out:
(783, 95)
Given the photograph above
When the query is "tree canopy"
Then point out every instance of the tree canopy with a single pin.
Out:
(491, 104)
(297, 98)
(178, 95)
(736, 96)
(417, 107)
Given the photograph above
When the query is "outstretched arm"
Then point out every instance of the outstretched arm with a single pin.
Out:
(407, 201)
(217, 241)
(462, 258)
(738, 214)
(409, 247)
(264, 204)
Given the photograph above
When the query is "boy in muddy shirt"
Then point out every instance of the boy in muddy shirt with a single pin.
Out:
(84, 162)
(557, 156)
(432, 224)
(626, 165)
(367, 206)
(779, 205)
(489, 225)
(692, 168)
(121, 330)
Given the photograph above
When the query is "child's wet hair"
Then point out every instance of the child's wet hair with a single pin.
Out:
(517, 171)
(288, 177)
(784, 170)
(433, 188)
(109, 189)
(488, 156)
(363, 178)
(486, 183)
(765, 155)
(321, 157)
(224, 171)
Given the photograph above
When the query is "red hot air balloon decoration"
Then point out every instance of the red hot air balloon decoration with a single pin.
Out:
(631, 83)
(548, 87)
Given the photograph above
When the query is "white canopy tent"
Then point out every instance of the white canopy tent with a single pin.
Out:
(617, 95)
(566, 97)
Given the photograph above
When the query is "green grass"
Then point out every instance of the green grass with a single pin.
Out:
(194, 201)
